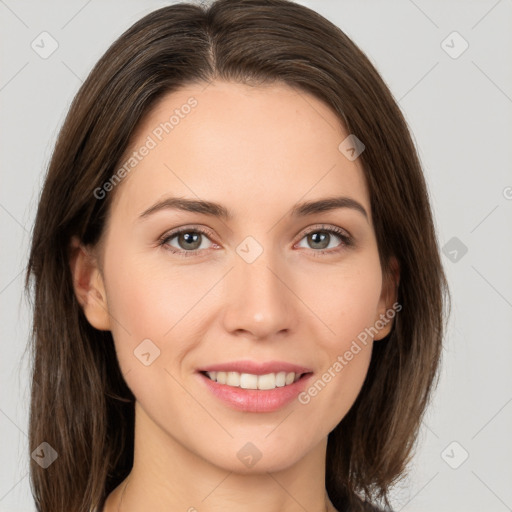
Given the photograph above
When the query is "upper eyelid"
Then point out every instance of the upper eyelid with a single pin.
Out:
(173, 232)
(325, 227)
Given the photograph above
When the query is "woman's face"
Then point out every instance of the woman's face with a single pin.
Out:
(271, 281)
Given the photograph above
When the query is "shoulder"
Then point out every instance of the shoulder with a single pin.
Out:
(368, 507)
(364, 506)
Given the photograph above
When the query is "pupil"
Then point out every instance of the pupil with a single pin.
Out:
(191, 238)
(320, 238)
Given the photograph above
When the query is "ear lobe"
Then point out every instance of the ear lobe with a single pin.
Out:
(88, 285)
(389, 296)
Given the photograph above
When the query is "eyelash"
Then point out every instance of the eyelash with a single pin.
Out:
(163, 241)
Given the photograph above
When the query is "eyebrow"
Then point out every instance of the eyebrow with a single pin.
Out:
(303, 209)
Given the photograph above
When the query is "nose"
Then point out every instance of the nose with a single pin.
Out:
(259, 302)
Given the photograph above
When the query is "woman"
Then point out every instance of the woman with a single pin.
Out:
(238, 293)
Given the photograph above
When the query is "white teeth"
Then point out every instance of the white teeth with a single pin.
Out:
(250, 381)
(267, 381)
(233, 379)
(290, 377)
(280, 379)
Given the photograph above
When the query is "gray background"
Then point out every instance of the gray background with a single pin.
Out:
(460, 112)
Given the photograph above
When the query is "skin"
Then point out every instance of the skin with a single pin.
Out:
(257, 151)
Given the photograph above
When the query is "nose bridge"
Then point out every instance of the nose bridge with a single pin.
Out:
(257, 302)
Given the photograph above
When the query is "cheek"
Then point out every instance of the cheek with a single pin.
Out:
(148, 310)
(346, 351)
(345, 298)
(154, 301)
(137, 292)
(347, 302)
(332, 393)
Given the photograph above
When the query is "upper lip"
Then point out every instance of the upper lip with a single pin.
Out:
(255, 367)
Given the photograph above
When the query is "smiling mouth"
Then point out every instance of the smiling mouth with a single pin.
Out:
(252, 381)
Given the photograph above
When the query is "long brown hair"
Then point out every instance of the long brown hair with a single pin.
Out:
(80, 403)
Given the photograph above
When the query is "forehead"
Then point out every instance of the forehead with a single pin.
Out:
(255, 149)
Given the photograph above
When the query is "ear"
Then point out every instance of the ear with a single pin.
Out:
(389, 296)
(88, 285)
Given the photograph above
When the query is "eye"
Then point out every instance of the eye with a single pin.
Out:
(321, 239)
(189, 241)
(185, 241)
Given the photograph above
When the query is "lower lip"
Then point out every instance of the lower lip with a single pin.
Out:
(256, 400)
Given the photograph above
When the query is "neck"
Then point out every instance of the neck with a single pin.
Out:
(167, 476)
